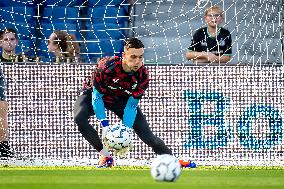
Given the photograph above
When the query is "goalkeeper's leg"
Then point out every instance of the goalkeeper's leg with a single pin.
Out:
(142, 129)
(82, 111)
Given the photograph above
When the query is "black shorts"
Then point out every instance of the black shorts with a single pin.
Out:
(2, 86)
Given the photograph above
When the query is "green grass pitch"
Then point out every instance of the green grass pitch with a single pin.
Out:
(139, 178)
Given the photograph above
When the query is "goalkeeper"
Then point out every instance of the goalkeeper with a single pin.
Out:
(117, 84)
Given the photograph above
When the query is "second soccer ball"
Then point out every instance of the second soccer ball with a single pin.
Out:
(165, 168)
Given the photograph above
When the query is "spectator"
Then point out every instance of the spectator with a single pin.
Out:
(8, 42)
(5, 151)
(212, 43)
(64, 46)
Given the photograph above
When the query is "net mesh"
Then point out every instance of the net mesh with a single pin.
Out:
(209, 114)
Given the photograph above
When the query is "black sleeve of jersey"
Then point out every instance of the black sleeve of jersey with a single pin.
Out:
(195, 42)
(103, 74)
(228, 43)
(98, 80)
(142, 86)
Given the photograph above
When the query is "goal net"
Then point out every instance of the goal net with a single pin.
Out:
(229, 115)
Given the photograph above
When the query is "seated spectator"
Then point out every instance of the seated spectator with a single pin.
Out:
(5, 151)
(212, 43)
(64, 47)
(8, 42)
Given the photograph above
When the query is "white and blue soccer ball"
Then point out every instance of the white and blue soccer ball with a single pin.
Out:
(165, 168)
(119, 136)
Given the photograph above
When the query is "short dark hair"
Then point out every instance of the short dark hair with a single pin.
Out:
(8, 30)
(133, 43)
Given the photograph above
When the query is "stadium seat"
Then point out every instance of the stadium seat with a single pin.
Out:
(43, 51)
(148, 29)
(26, 46)
(258, 51)
(60, 14)
(25, 30)
(17, 14)
(107, 14)
(104, 48)
(93, 3)
(7, 3)
(155, 48)
(104, 31)
(62, 3)
(47, 29)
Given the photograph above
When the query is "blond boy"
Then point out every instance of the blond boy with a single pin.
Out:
(211, 44)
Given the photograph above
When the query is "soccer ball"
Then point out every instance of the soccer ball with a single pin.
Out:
(165, 168)
(118, 136)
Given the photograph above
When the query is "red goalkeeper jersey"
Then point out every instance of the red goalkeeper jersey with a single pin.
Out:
(110, 79)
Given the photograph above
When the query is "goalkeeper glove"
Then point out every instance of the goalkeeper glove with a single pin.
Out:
(104, 123)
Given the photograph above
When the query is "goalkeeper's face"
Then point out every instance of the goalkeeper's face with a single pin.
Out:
(133, 59)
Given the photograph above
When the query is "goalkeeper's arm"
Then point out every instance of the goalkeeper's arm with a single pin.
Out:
(99, 107)
(129, 116)
(130, 112)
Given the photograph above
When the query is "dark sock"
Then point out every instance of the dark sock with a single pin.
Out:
(4, 146)
(5, 149)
